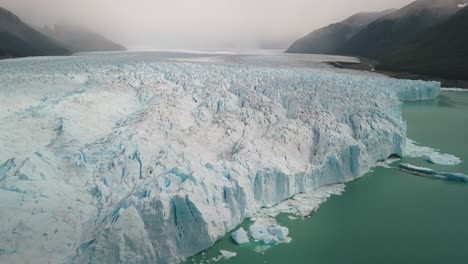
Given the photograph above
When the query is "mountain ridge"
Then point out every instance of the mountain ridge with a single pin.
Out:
(79, 39)
(327, 40)
(18, 39)
(398, 28)
(441, 52)
(425, 39)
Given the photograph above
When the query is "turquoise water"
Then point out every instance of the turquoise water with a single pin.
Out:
(387, 216)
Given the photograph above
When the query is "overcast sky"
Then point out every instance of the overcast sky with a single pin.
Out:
(195, 24)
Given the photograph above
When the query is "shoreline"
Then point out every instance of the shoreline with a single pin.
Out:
(369, 65)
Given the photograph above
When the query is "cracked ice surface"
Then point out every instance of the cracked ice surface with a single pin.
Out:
(136, 158)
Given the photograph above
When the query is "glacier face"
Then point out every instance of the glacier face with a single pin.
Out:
(152, 157)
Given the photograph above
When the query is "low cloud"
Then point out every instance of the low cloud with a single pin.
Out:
(196, 24)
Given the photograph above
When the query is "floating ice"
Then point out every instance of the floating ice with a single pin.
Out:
(426, 172)
(422, 170)
(240, 236)
(414, 150)
(454, 90)
(443, 159)
(227, 254)
(133, 158)
(265, 229)
(300, 205)
(258, 232)
(430, 154)
(269, 234)
(281, 232)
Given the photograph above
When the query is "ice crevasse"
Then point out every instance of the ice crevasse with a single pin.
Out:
(114, 159)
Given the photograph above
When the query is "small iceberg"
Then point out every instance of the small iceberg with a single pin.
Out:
(223, 254)
(426, 172)
(240, 236)
(258, 231)
(416, 169)
(280, 232)
(227, 254)
(271, 235)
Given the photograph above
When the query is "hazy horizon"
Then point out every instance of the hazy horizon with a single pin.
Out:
(185, 24)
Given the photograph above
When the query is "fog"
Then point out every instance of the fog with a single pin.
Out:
(196, 24)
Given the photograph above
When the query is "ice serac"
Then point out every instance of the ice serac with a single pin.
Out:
(134, 159)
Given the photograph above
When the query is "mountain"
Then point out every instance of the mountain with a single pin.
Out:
(442, 51)
(77, 39)
(398, 28)
(18, 39)
(328, 39)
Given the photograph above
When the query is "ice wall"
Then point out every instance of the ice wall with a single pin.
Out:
(130, 159)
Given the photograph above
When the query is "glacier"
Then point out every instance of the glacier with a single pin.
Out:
(152, 157)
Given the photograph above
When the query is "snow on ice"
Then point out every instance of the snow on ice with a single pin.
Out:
(137, 158)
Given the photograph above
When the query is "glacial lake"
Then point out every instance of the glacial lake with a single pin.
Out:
(387, 216)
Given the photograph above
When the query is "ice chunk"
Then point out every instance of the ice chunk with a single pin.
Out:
(227, 254)
(443, 159)
(454, 176)
(281, 232)
(426, 172)
(422, 170)
(270, 239)
(269, 235)
(240, 236)
(258, 231)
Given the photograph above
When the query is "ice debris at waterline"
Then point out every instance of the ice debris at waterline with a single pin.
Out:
(223, 254)
(266, 231)
(301, 205)
(228, 254)
(426, 172)
(130, 158)
(431, 155)
(273, 234)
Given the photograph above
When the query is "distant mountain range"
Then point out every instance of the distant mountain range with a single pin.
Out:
(442, 51)
(425, 37)
(77, 39)
(329, 39)
(18, 39)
